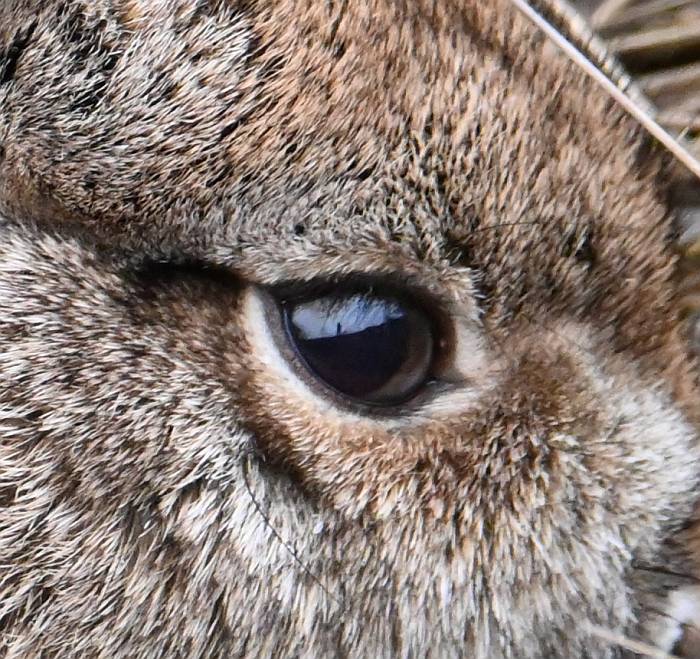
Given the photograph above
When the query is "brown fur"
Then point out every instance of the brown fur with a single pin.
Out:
(172, 487)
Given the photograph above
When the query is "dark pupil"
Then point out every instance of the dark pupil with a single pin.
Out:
(373, 349)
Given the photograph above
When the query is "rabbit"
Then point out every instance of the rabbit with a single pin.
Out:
(333, 328)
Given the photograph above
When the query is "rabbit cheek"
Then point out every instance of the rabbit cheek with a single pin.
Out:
(551, 464)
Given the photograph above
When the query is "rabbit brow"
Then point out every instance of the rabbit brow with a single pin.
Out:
(639, 113)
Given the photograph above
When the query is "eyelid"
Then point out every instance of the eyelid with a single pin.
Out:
(394, 285)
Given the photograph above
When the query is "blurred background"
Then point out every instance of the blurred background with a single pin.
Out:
(658, 42)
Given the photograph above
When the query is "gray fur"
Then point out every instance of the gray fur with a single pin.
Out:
(172, 486)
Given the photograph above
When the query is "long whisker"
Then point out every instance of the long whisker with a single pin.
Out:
(245, 465)
(639, 113)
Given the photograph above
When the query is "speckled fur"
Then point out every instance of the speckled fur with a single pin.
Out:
(172, 487)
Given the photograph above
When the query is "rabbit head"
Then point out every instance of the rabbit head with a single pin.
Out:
(331, 328)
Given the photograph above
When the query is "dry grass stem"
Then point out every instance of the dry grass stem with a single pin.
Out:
(659, 42)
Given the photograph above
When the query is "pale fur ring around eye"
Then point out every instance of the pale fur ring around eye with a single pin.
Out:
(373, 348)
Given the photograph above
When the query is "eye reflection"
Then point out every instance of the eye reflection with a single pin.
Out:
(375, 349)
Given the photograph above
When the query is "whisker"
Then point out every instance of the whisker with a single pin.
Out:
(543, 326)
(501, 225)
(518, 223)
(245, 463)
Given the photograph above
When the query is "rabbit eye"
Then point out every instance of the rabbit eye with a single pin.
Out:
(377, 350)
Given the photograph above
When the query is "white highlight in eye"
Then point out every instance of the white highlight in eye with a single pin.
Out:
(325, 318)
